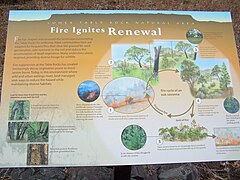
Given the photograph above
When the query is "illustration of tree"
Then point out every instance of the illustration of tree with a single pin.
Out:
(136, 54)
(202, 80)
(184, 47)
(167, 63)
(156, 59)
(224, 78)
(149, 60)
(216, 70)
(123, 65)
(190, 73)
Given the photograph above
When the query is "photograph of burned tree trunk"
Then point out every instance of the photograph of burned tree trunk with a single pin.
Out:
(17, 131)
(38, 131)
(37, 154)
(19, 110)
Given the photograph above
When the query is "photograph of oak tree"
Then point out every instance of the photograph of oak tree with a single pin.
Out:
(38, 132)
(37, 154)
(19, 110)
(17, 132)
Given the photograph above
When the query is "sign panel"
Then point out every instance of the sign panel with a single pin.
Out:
(86, 88)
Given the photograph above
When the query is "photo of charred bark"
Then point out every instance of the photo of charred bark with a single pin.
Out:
(37, 154)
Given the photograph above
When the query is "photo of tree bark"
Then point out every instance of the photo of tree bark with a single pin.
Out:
(37, 154)
(17, 132)
(19, 110)
(27, 132)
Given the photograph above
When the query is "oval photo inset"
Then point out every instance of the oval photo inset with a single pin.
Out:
(127, 95)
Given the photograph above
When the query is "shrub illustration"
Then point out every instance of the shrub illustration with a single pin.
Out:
(195, 132)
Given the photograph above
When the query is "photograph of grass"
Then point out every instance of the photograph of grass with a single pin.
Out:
(133, 137)
(227, 136)
(184, 133)
(207, 79)
(17, 132)
(37, 154)
(38, 131)
(127, 95)
(231, 105)
(194, 36)
(19, 110)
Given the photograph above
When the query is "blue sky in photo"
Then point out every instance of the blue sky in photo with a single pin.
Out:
(88, 86)
(29, 15)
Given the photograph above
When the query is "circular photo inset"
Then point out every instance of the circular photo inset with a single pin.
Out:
(88, 91)
(133, 137)
(194, 36)
(231, 105)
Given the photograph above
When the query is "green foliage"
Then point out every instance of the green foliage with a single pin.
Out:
(184, 132)
(202, 80)
(231, 105)
(202, 92)
(137, 54)
(194, 36)
(184, 47)
(133, 137)
(38, 132)
(224, 78)
(19, 110)
(150, 61)
(216, 70)
(167, 63)
(190, 73)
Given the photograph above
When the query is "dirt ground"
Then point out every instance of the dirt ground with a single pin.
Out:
(211, 170)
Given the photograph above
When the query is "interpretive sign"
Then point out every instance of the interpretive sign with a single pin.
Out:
(119, 87)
